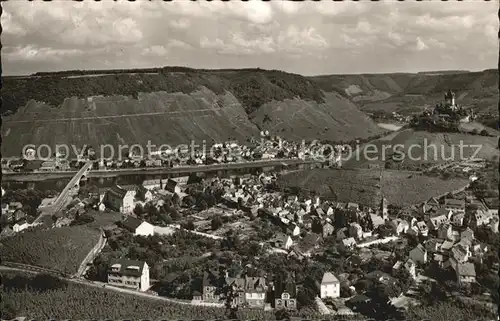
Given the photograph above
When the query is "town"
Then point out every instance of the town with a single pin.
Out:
(249, 160)
(247, 243)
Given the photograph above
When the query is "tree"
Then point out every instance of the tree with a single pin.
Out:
(189, 225)
(138, 210)
(282, 314)
(216, 223)
(9, 311)
(140, 193)
(306, 296)
(484, 132)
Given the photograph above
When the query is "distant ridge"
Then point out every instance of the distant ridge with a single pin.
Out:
(173, 105)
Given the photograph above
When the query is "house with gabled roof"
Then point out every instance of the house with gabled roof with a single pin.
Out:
(479, 218)
(285, 293)
(419, 254)
(399, 226)
(172, 186)
(137, 226)
(255, 291)
(467, 233)
(211, 283)
(238, 287)
(466, 273)
(445, 231)
(330, 286)
(433, 245)
(349, 243)
(129, 274)
(436, 220)
(120, 199)
(327, 229)
(281, 241)
(457, 206)
(457, 219)
(422, 228)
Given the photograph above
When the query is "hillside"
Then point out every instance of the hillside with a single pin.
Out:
(409, 93)
(441, 147)
(171, 106)
(366, 186)
(62, 249)
(337, 119)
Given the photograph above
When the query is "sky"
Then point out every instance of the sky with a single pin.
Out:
(309, 38)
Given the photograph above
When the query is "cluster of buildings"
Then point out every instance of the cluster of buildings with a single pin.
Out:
(15, 218)
(448, 112)
(267, 148)
(279, 292)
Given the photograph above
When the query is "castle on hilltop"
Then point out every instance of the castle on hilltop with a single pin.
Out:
(449, 99)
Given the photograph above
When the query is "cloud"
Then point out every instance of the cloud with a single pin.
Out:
(308, 37)
(421, 45)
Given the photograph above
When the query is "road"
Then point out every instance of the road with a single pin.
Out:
(37, 270)
(379, 241)
(114, 116)
(214, 237)
(91, 255)
(162, 170)
(62, 197)
(323, 309)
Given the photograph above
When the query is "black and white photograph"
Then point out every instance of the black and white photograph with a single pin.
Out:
(249, 160)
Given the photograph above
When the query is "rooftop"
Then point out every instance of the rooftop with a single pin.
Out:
(126, 267)
(328, 277)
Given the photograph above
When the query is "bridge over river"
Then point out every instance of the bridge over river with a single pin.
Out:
(62, 198)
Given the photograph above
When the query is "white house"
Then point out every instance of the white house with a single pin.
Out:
(21, 225)
(293, 229)
(152, 183)
(148, 196)
(129, 274)
(419, 254)
(138, 227)
(281, 241)
(330, 286)
(120, 199)
(411, 268)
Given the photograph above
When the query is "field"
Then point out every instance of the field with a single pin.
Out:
(404, 189)
(366, 187)
(429, 149)
(161, 118)
(61, 300)
(337, 119)
(61, 249)
(103, 219)
(446, 311)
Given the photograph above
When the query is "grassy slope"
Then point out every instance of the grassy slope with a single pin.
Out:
(337, 119)
(61, 249)
(186, 117)
(363, 186)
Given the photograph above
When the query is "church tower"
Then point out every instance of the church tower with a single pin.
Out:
(383, 208)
